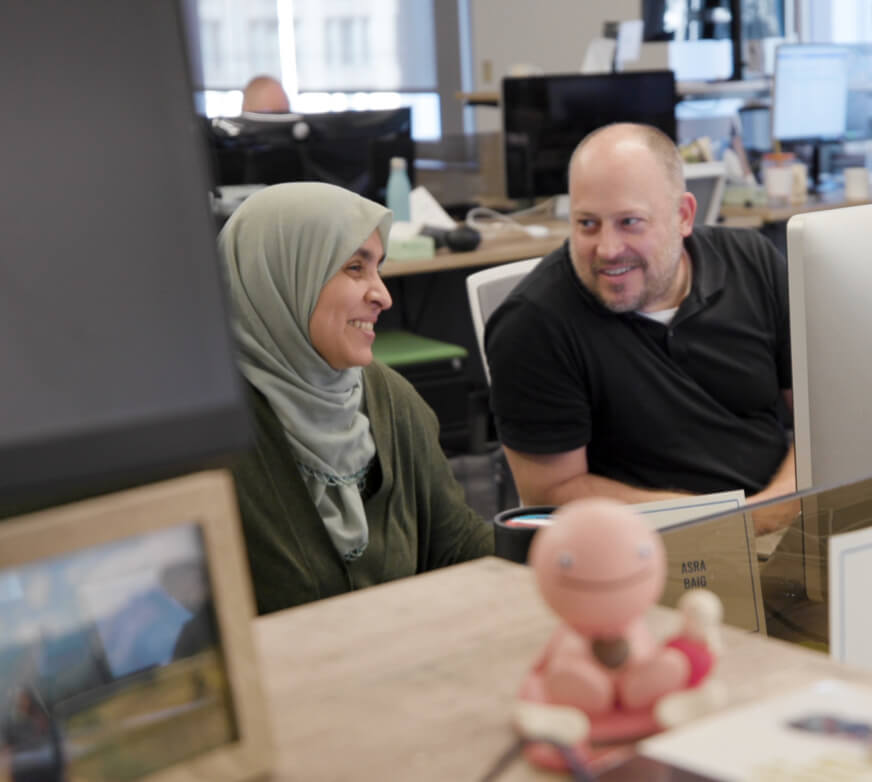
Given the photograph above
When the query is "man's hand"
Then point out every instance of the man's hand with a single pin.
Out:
(779, 514)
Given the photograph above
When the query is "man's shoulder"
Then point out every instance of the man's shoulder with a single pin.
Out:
(732, 243)
(549, 283)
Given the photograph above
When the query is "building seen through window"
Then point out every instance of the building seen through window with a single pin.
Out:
(329, 55)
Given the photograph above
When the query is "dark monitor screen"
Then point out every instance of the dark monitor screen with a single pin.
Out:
(544, 118)
(810, 92)
(351, 149)
(115, 352)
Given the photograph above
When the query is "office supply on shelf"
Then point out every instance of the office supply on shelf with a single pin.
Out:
(701, 60)
(424, 673)
(544, 118)
(127, 649)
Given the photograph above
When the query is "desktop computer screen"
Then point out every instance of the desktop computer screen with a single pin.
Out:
(858, 121)
(351, 149)
(544, 118)
(810, 92)
(115, 352)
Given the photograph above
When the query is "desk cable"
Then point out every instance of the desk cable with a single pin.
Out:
(559, 727)
(489, 221)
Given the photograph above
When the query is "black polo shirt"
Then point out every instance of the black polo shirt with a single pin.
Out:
(693, 405)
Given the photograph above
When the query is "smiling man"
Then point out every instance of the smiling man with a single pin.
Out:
(646, 358)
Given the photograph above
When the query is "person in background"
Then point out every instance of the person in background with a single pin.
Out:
(646, 358)
(265, 95)
(346, 485)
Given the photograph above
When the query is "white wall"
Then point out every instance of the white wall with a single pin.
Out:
(551, 34)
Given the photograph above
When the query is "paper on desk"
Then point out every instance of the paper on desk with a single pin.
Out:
(850, 582)
(425, 210)
(664, 513)
(757, 743)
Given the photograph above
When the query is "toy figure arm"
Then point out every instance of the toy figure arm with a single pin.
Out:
(555, 479)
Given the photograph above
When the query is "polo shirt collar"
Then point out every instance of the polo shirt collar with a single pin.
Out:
(709, 272)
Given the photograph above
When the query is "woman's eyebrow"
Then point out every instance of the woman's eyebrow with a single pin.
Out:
(367, 255)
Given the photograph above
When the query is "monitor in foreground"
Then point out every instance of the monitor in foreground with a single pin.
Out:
(115, 353)
(829, 282)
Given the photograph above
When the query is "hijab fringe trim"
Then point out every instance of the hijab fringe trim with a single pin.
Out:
(331, 479)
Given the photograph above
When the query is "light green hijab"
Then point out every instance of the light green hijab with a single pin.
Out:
(280, 247)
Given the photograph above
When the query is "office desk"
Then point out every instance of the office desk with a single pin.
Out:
(504, 248)
(778, 214)
(416, 679)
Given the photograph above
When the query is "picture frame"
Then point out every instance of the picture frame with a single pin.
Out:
(126, 646)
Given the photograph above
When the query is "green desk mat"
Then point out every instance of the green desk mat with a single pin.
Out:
(397, 348)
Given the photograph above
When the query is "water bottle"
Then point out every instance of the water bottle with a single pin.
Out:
(398, 190)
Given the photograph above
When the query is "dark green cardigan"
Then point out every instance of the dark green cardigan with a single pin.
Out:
(418, 518)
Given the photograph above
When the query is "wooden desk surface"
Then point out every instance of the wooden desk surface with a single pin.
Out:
(511, 246)
(775, 214)
(416, 679)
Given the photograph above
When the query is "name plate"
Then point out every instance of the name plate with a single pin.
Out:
(718, 554)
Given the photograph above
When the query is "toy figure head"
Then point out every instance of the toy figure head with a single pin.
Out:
(598, 566)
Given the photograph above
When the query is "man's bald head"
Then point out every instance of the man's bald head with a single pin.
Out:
(266, 95)
(625, 136)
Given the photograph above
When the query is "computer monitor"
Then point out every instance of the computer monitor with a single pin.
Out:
(544, 118)
(858, 121)
(115, 353)
(830, 279)
(809, 92)
(810, 97)
(351, 149)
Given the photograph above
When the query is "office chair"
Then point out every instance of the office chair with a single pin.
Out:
(706, 181)
(486, 291)
(437, 370)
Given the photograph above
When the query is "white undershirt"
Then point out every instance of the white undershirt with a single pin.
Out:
(661, 316)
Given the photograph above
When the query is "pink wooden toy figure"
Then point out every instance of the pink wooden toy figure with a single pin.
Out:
(600, 568)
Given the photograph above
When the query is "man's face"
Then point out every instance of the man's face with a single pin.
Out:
(628, 226)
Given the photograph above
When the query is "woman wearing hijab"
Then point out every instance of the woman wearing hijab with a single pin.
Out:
(347, 485)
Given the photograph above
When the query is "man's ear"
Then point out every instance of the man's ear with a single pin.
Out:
(686, 213)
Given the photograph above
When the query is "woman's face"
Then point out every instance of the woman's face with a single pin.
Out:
(342, 325)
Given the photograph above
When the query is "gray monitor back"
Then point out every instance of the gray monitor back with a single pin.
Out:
(115, 355)
(830, 284)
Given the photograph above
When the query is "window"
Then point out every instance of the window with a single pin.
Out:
(365, 54)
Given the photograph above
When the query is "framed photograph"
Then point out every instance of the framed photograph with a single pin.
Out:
(125, 640)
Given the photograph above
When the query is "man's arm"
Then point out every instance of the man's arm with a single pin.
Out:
(555, 479)
(783, 482)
